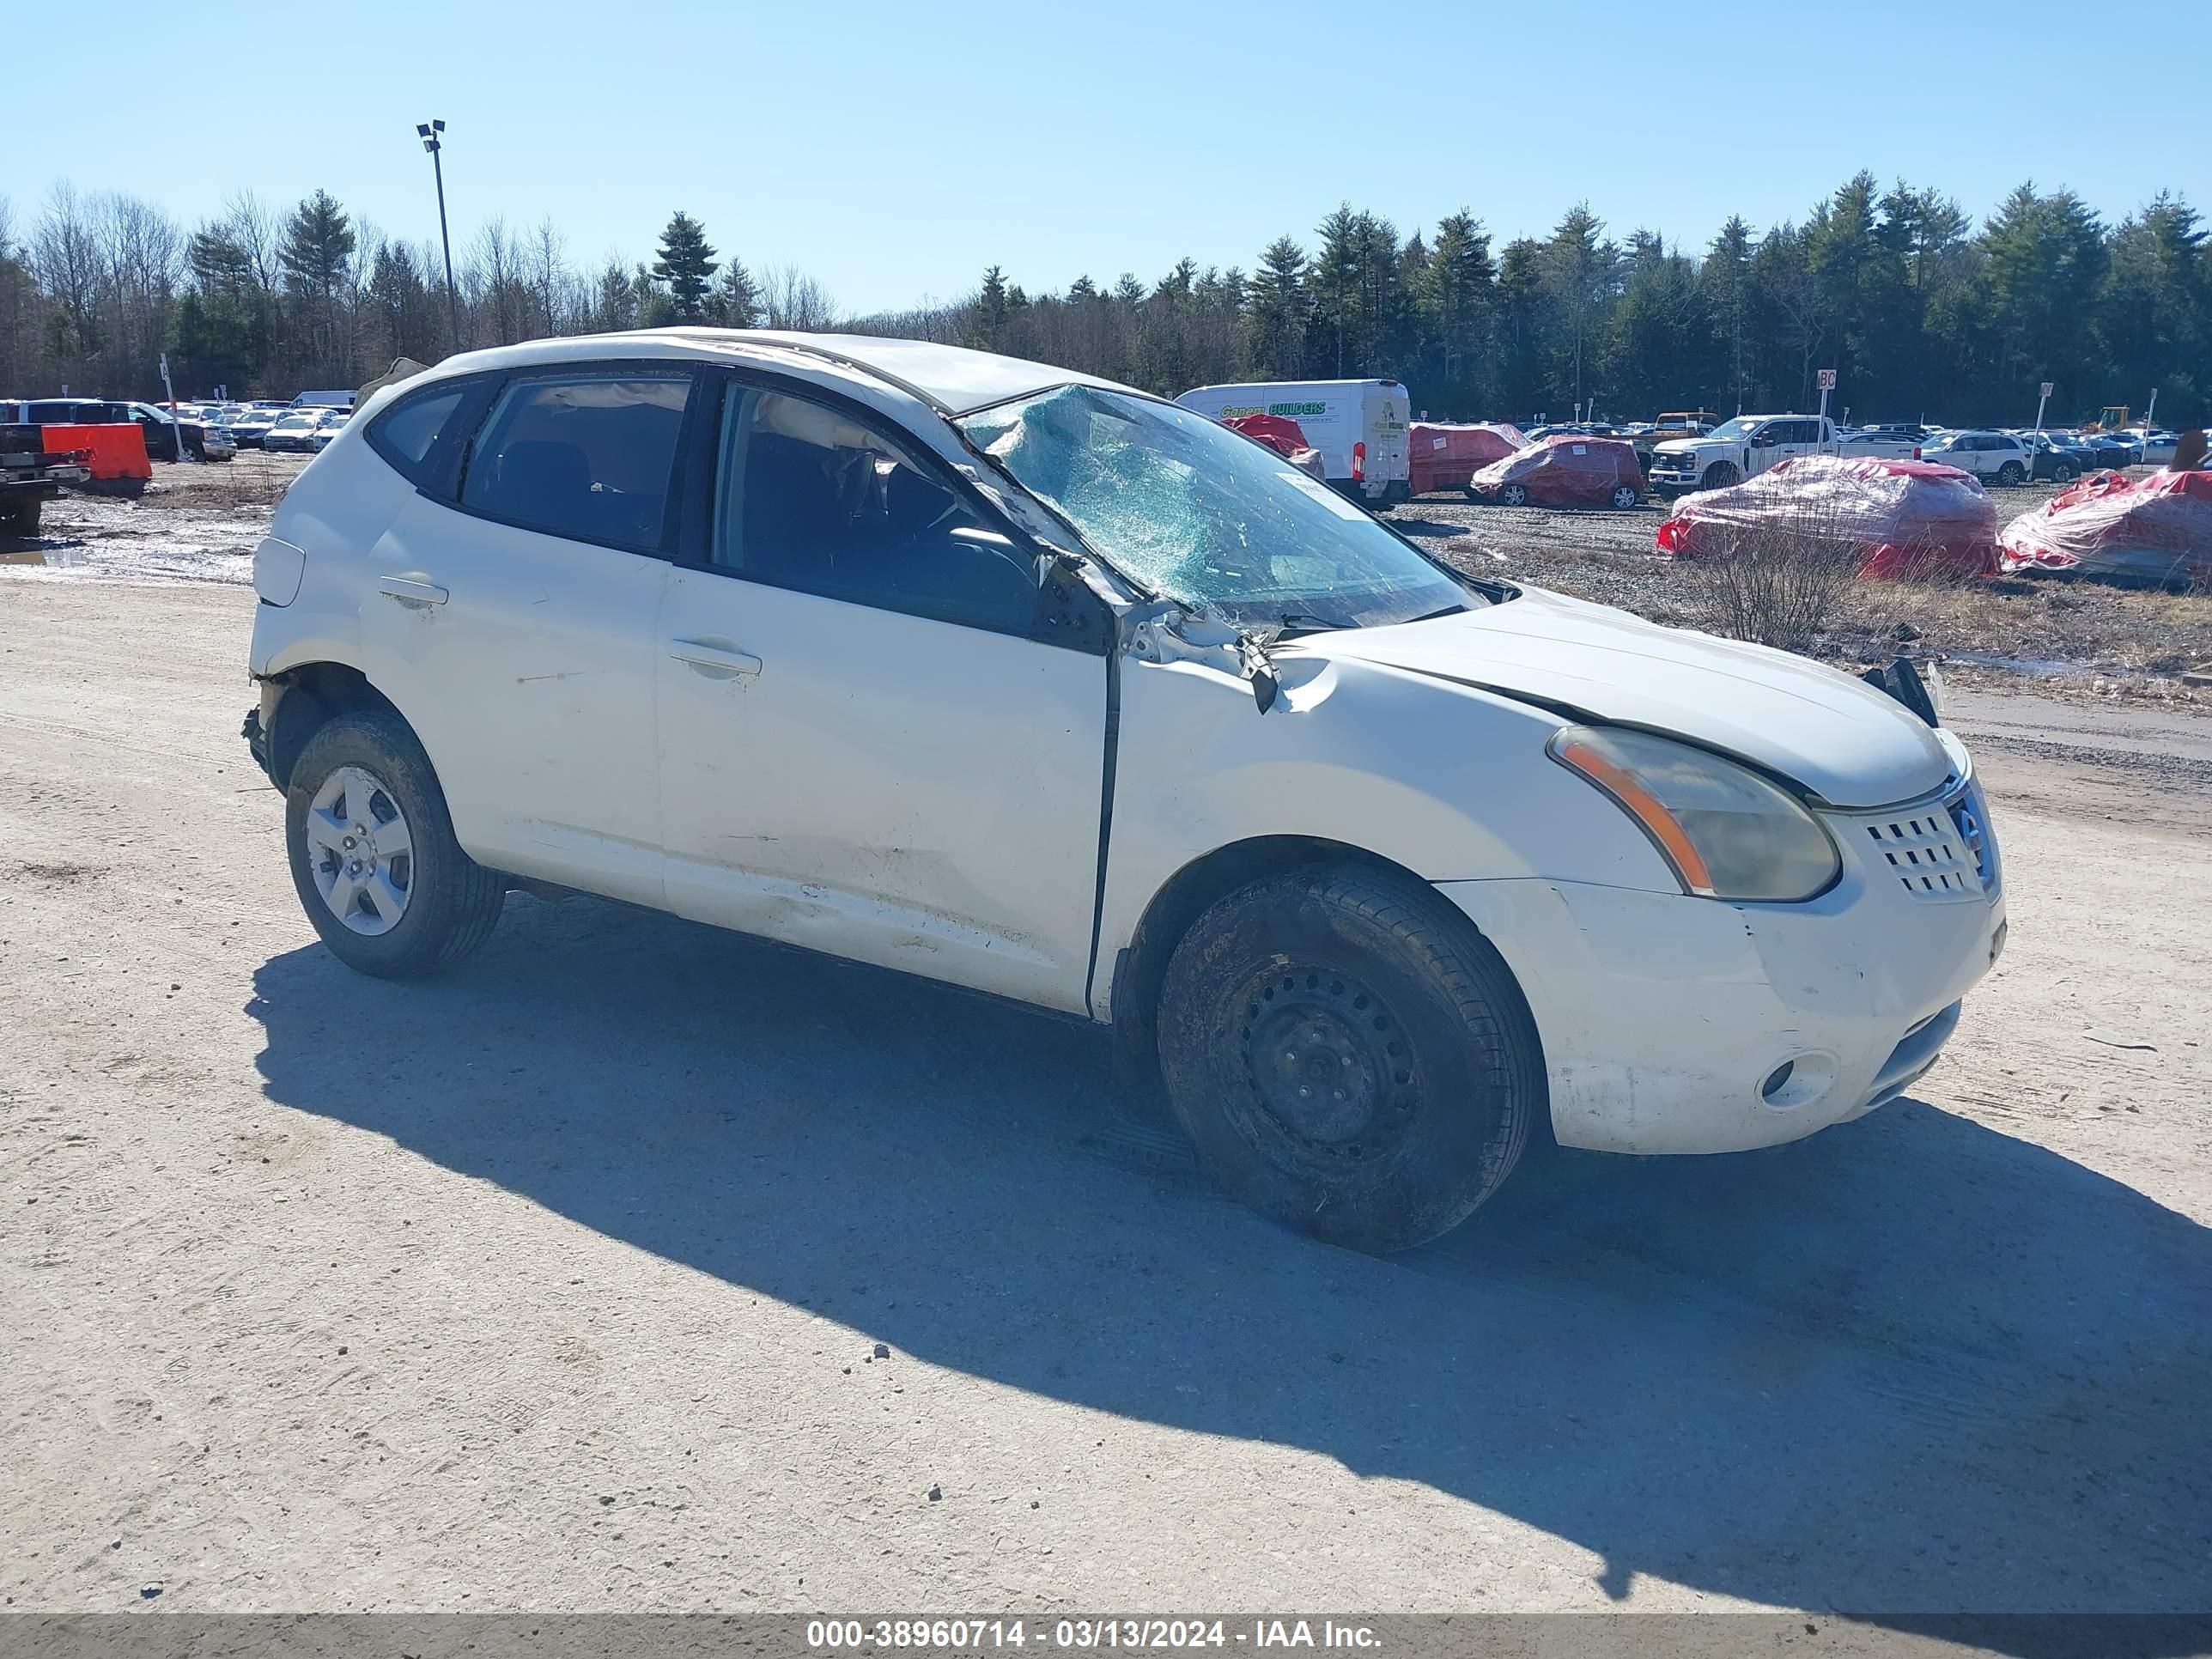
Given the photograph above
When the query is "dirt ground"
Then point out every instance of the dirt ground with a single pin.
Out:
(556, 1285)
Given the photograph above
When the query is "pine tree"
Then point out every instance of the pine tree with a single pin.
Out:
(737, 301)
(1277, 307)
(685, 265)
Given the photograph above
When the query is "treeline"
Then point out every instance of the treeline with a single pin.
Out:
(1919, 310)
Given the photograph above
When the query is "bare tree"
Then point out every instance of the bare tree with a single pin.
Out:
(791, 299)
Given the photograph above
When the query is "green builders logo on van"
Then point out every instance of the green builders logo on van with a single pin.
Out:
(1238, 411)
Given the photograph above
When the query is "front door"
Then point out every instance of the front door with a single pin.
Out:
(867, 745)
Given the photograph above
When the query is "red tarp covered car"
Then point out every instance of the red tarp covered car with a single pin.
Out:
(2154, 529)
(1285, 436)
(1443, 455)
(1907, 518)
(1566, 471)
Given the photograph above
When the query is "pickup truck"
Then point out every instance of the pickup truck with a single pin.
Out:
(30, 475)
(1737, 449)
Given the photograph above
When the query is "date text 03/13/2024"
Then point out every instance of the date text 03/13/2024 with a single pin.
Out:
(980, 1635)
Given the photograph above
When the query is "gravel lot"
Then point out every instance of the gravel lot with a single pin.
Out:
(557, 1284)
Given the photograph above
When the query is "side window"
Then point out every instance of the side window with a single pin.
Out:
(810, 497)
(586, 455)
(405, 433)
(1803, 432)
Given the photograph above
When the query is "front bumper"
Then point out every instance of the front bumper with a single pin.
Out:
(1666, 1021)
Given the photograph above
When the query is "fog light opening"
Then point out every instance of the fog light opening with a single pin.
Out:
(1798, 1081)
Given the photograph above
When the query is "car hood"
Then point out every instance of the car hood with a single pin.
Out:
(1678, 446)
(1836, 736)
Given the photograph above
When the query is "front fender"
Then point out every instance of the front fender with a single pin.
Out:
(1450, 782)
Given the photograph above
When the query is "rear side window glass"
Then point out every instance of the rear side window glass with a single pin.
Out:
(588, 456)
(404, 434)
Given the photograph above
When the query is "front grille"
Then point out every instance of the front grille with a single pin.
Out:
(1925, 850)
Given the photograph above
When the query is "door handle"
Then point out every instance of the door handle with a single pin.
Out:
(409, 591)
(714, 661)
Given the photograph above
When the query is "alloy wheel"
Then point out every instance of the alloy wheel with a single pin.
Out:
(361, 851)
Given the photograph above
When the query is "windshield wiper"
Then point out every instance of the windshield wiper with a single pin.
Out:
(1304, 621)
(1449, 610)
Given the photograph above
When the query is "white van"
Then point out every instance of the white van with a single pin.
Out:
(1358, 426)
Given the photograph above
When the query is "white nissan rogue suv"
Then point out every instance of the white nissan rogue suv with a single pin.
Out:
(1037, 684)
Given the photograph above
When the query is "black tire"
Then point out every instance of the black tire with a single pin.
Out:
(1719, 476)
(21, 517)
(2062, 474)
(452, 903)
(2011, 473)
(1625, 496)
(1385, 986)
(1513, 495)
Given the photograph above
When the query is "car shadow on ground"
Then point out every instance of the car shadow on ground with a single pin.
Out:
(1910, 1365)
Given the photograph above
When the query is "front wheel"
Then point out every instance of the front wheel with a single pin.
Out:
(1626, 495)
(2062, 474)
(1350, 1057)
(1719, 476)
(373, 853)
(1514, 495)
(2011, 473)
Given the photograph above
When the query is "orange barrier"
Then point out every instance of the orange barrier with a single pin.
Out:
(116, 452)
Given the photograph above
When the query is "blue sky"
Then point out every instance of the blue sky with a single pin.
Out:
(893, 151)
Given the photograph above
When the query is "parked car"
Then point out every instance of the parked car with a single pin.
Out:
(2056, 457)
(2156, 528)
(250, 430)
(1012, 677)
(2113, 449)
(2155, 448)
(1444, 455)
(1907, 431)
(1565, 469)
(1991, 456)
(332, 422)
(323, 400)
(1896, 519)
(293, 430)
(1749, 444)
(1358, 426)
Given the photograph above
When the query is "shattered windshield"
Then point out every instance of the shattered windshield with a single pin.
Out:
(1200, 514)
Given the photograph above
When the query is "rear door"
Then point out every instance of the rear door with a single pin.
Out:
(877, 738)
(512, 610)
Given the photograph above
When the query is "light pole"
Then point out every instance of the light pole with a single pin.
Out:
(437, 166)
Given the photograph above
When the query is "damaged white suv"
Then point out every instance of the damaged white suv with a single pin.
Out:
(1037, 684)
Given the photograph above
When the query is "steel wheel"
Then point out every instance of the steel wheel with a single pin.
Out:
(1331, 1078)
(361, 851)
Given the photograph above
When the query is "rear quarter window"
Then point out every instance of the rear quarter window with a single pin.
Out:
(406, 434)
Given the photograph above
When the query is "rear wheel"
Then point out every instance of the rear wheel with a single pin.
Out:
(1349, 1055)
(1719, 476)
(373, 853)
(2011, 473)
(1514, 495)
(1626, 495)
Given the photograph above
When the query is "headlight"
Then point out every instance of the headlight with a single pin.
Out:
(1727, 832)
